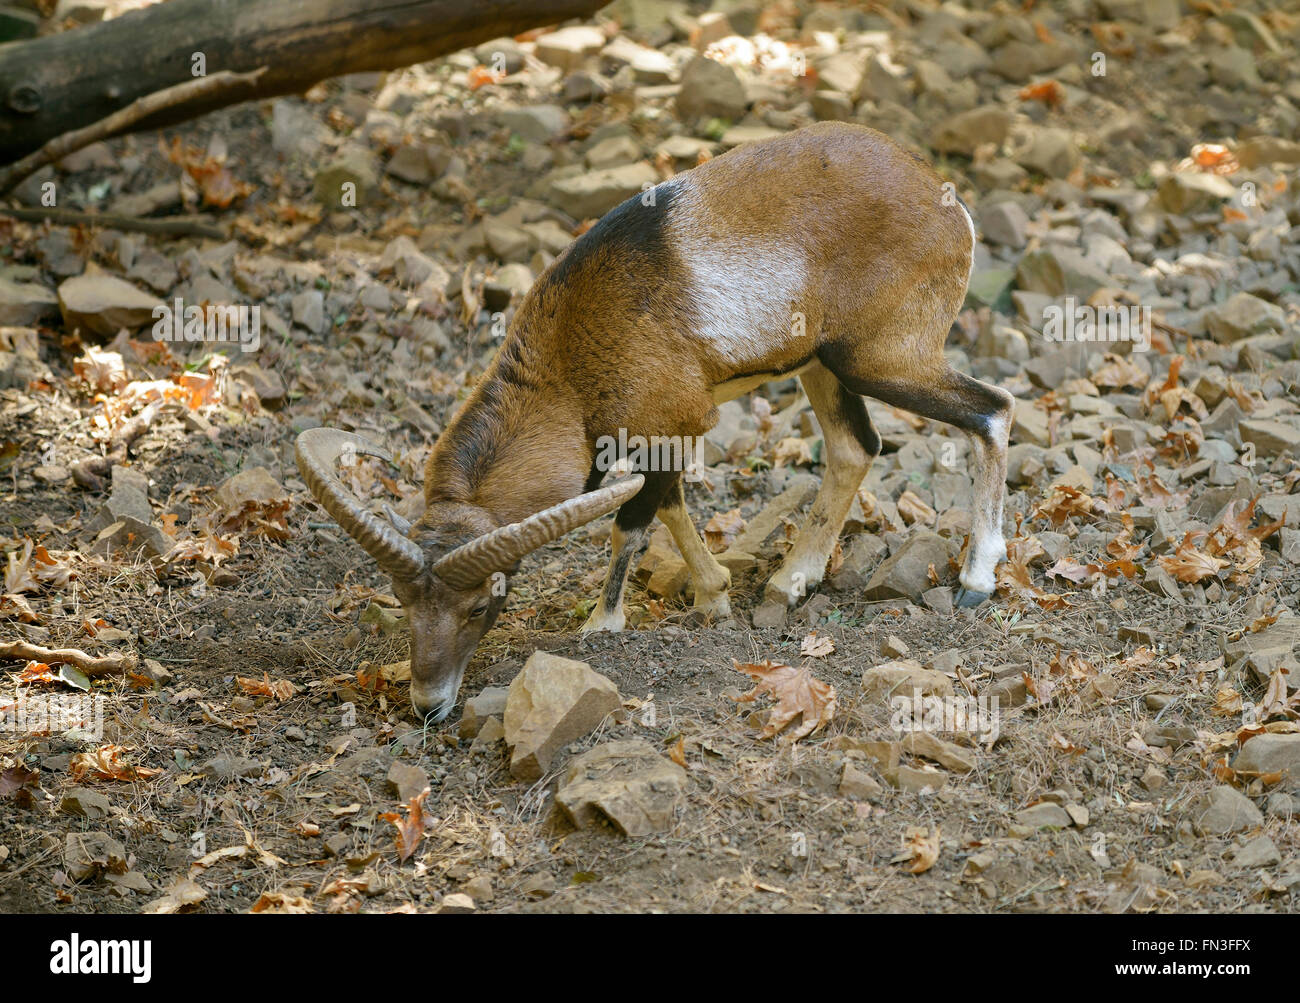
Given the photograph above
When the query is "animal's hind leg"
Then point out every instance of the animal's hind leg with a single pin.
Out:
(850, 445)
(984, 413)
(711, 579)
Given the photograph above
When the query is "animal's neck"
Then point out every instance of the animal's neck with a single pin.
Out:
(517, 445)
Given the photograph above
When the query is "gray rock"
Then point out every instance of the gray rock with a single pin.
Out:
(858, 785)
(349, 180)
(905, 575)
(1271, 438)
(962, 132)
(1222, 811)
(1005, 223)
(1049, 151)
(309, 310)
(1189, 192)
(406, 781)
(88, 854)
(1258, 852)
(1272, 754)
(627, 782)
(227, 767)
(1044, 815)
(710, 89)
(489, 702)
(552, 702)
(104, 304)
(26, 304)
(87, 803)
(569, 47)
(128, 499)
(537, 123)
(585, 196)
(1242, 316)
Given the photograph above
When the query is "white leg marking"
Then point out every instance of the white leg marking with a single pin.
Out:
(987, 546)
(608, 614)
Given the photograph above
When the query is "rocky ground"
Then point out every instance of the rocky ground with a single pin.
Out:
(257, 751)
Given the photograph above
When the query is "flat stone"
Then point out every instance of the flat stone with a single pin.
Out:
(710, 89)
(569, 47)
(406, 781)
(947, 754)
(104, 304)
(626, 782)
(858, 785)
(88, 854)
(87, 803)
(917, 780)
(1222, 811)
(906, 574)
(1258, 852)
(488, 702)
(1044, 815)
(1271, 438)
(962, 132)
(226, 767)
(552, 702)
(128, 499)
(1269, 753)
(26, 304)
(902, 678)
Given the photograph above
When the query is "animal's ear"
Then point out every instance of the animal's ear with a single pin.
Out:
(470, 564)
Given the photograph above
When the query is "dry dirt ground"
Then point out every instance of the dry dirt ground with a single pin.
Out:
(1126, 689)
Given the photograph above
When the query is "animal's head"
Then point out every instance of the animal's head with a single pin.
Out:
(451, 569)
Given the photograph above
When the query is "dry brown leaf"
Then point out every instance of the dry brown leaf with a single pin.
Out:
(920, 847)
(797, 693)
(410, 829)
(1187, 564)
(101, 371)
(279, 689)
(816, 646)
(1063, 502)
(105, 763)
(793, 451)
(722, 529)
(913, 510)
(279, 902)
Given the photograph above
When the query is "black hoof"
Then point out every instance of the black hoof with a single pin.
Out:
(966, 599)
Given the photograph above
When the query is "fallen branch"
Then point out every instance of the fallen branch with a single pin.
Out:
(60, 146)
(91, 665)
(66, 81)
(90, 473)
(171, 226)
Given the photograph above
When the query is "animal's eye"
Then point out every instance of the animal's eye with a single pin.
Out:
(478, 611)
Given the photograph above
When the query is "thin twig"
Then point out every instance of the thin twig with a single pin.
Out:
(91, 665)
(141, 108)
(172, 226)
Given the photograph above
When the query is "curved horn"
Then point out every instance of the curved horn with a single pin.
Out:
(317, 449)
(469, 564)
